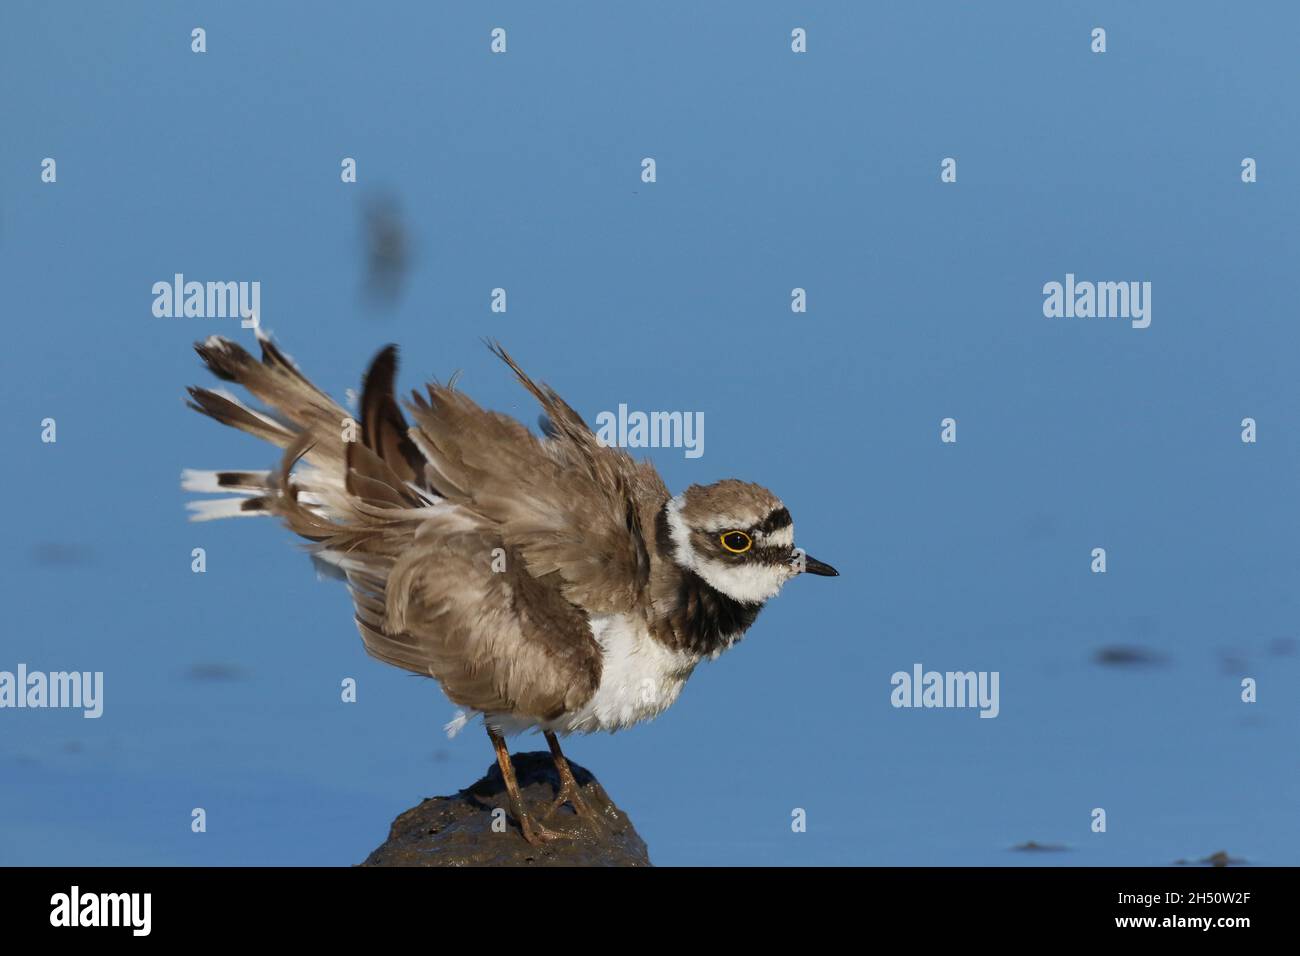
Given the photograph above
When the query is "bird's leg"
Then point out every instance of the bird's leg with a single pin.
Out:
(570, 792)
(533, 831)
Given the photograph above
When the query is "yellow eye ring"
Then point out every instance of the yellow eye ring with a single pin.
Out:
(737, 542)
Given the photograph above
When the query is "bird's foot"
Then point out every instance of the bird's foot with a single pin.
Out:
(536, 834)
(572, 795)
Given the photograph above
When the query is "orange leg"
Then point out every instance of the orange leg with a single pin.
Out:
(533, 831)
(570, 792)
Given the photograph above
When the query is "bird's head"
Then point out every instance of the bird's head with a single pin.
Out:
(739, 538)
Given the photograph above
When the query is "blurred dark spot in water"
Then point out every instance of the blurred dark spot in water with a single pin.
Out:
(1033, 846)
(58, 553)
(1231, 663)
(1282, 646)
(1214, 859)
(387, 249)
(216, 672)
(1128, 655)
(440, 755)
(73, 747)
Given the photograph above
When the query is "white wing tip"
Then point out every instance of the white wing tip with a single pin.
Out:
(209, 482)
(203, 482)
(221, 508)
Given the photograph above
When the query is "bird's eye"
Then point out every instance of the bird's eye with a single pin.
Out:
(737, 542)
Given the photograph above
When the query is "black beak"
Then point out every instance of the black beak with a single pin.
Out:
(812, 566)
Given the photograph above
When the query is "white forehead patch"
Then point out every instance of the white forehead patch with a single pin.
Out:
(727, 522)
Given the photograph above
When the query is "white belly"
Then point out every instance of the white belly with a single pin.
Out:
(639, 679)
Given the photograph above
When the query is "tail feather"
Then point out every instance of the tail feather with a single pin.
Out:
(383, 426)
(213, 508)
(219, 482)
(336, 472)
(274, 380)
(231, 411)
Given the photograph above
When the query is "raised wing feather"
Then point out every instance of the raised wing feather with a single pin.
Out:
(572, 508)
